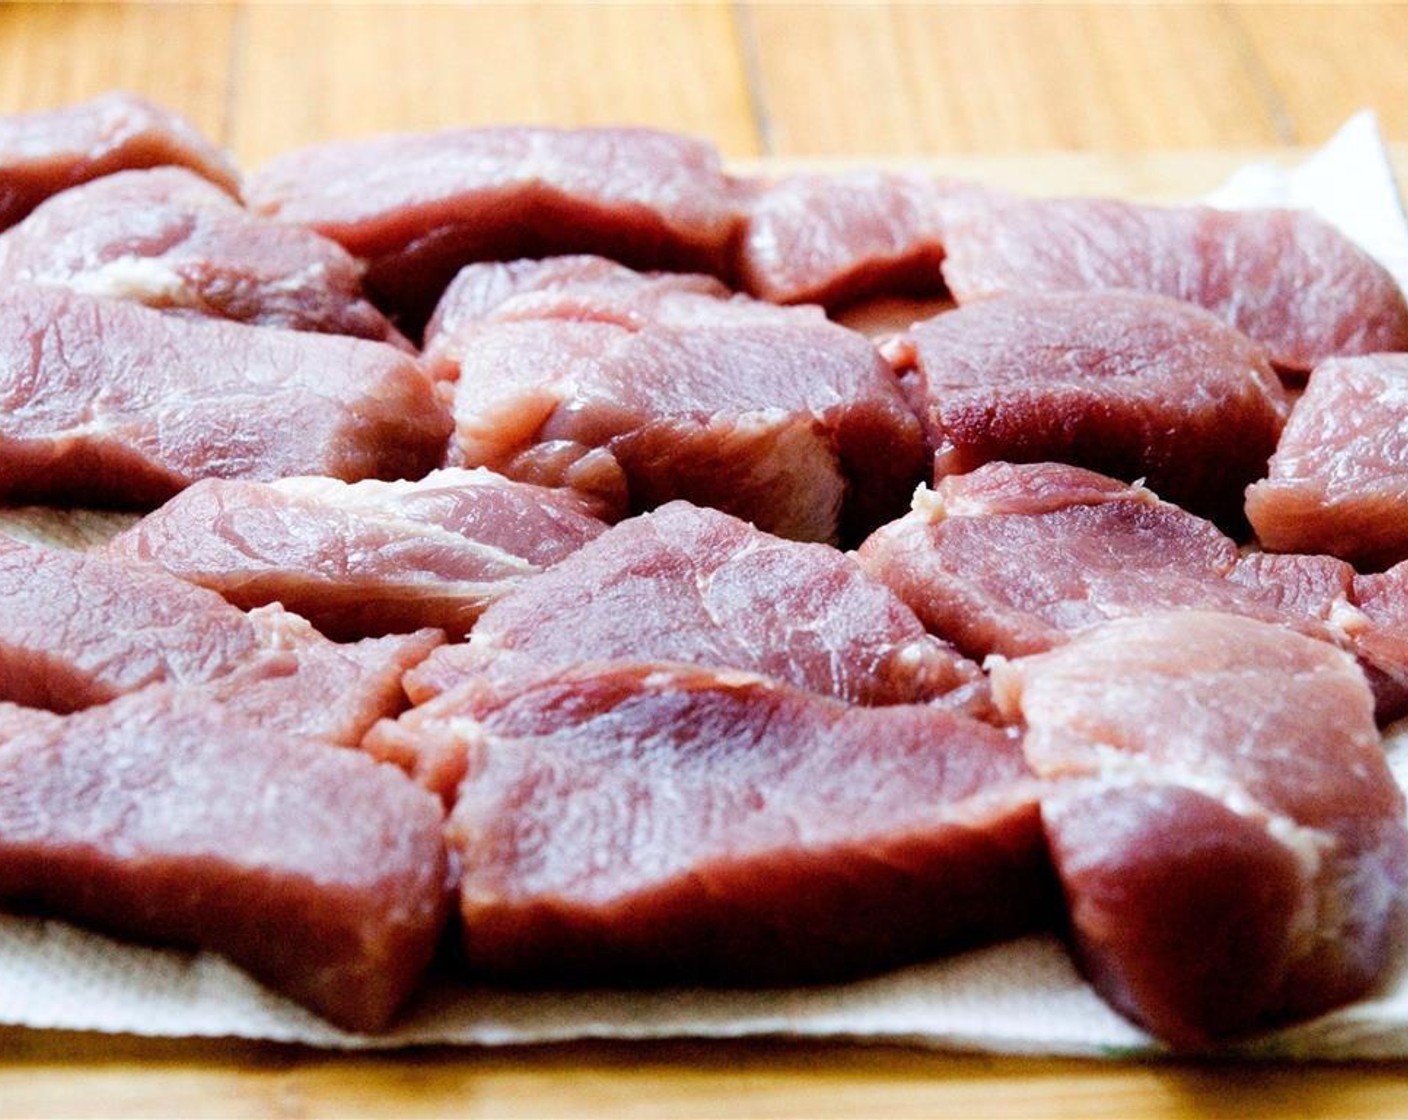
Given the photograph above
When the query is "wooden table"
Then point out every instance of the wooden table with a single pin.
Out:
(1154, 101)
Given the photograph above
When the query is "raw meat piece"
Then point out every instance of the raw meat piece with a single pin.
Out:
(47, 152)
(1381, 644)
(80, 629)
(1338, 482)
(419, 207)
(774, 414)
(174, 241)
(1232, 849)
(836, 238)
(656, 823)
(694, 585)
(166, 818)
(113, 403)
(366, 558)
(1287, 278)
(1131, 385)
(1014, 559)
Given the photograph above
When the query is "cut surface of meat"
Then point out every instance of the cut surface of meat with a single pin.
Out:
(774, 414)
(1286, 278)
(655, 823)
(174, 241)
(1130, 385)
(366, 558)
(693, 585)
(836, 238)
(1233, 850)
(166, 818)
(1338, 482)
(419, 207)
(45, 152)
(80, 629)
(107, 402)
(1013, 559)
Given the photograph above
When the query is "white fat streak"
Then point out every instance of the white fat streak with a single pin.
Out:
(146, 279)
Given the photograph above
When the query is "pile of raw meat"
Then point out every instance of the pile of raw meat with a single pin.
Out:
(529, 576)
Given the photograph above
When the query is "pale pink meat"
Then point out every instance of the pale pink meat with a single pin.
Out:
(171, 240)
(837, 238)
(1130, 385)
(81, 629)
(42, 153)
(645, 391)
(420, 207)
(109, 402)
(166, 818)
(1338, 482)
(366, 558)
(1229, 838)
(655, 823)
(1014, 559)
(695, 585)
(1286, 278)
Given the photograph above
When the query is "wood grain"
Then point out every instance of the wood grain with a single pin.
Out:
(1153, 101)
(415, 67)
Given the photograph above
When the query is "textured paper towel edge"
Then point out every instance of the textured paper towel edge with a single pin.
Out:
(1020, 998)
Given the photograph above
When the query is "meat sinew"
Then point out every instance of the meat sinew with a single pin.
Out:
(419, 207)
(1232, 849)
(174, 241)
(1338, 482)
(166, 818)
(1013, 559)
(655, 823)
(46, 152)
(1286, 278)
(650, 391)
(1131, 385)
(366, 558)
(110, 402)
(836, 238)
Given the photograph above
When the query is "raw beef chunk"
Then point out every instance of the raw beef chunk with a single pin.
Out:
(1286, 278)
(1232, 850)
(167, 818)
(643, 390)
(1338, 482)
(109, 402)
(366, 558)
(419, 207)
(694, 585)
(1131, 385)
(172, 240)
(836, 238)
(1013, 559)
(47, 152)
(80, 629)
(654, 823)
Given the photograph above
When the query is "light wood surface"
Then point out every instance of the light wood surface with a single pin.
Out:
(1148, 100)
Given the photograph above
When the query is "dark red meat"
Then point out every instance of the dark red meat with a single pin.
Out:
(419, 207)
(47, 152)
(653, 823)
(174, 241)
(366, 558)
(1130, 385)
(166, 818)
(1232, 846)
(1287, 278)
(109, 402)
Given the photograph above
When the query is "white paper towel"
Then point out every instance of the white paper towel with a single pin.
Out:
(1020, 998)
